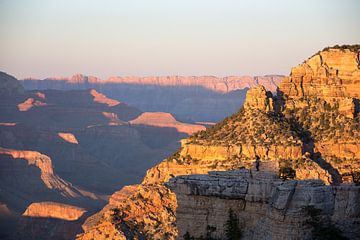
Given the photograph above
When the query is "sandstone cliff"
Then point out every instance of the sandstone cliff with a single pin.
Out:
(291, 130)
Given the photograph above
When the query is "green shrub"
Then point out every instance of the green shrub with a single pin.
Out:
(287, 172)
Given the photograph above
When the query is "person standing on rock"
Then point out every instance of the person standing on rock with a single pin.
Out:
(257, 163)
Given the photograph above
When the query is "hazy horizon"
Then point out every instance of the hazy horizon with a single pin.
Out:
(158, 38)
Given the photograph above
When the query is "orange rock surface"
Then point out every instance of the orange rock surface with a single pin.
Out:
(30, 103)
(277, 134)
(54, 210)
(68, 137)
(161, 119)
(101, 98)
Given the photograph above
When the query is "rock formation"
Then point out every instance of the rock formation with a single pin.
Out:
(305, 135)
(161, 119)
(74, 148)
(265, 206)
(30, 103)
(54, 210)
(217, 84)
(101, 98)
(190, 99)
(68, 137)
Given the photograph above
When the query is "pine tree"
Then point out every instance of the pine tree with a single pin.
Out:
(232, 230)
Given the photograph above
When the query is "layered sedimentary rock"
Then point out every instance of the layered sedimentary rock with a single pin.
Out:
(218, 84)
(101, 98)
(44, 164)
(265, 206)
(54, 210)
(191, 99)
(332, 73)
(161, 119)
(72, 141)
(259, 98)
(289, 131)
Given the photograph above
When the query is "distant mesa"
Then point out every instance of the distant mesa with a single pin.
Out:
(162, 119)
(68, 137)
(213, 83)
(54, 210)
(30, 103)
(101, 98)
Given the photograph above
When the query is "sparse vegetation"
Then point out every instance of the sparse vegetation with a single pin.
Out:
(322, 228)
(232, 229)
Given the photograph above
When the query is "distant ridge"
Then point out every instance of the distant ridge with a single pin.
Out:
(217, 84)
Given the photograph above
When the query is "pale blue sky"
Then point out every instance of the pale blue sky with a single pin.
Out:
(42, 38)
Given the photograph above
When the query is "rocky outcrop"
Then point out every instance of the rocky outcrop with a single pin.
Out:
(332, 73)
(259, 98)
(30, 103)
(101, 98)
(162, 119)
(265, 206)
(68, 137)
(54, 210)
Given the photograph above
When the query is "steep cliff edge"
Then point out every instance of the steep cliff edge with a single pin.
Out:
(311, 134)
(265, 206)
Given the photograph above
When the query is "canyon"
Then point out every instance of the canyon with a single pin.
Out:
(63, 153)
(188, 98)
(308, 130)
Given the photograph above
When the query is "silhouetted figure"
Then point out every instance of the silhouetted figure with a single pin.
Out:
(257, 162)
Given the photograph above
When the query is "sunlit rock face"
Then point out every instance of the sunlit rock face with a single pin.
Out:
(259, 98)
(68, 137)
(287, 129)
(101, 98)
(161, 119)
(332, 73)
(266, 207)
(54, 210)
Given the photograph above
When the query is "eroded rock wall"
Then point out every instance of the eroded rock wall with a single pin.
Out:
(267, 207)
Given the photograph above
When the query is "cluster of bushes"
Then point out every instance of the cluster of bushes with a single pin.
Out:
(353, 48)
(286, 170)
